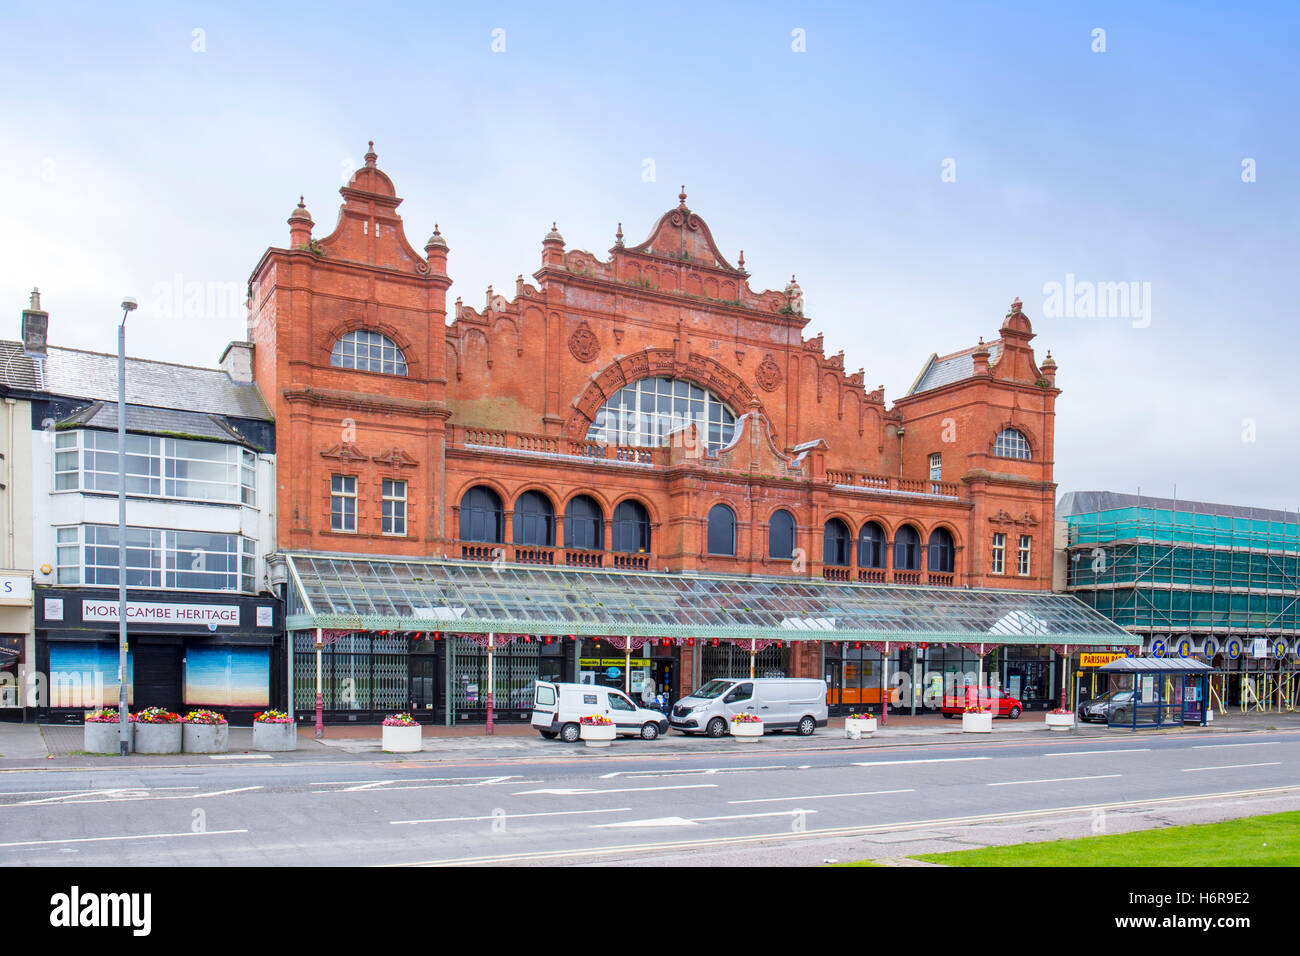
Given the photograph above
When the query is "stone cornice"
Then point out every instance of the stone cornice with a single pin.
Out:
(331, 398)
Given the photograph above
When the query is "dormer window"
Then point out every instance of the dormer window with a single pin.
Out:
(368, 352)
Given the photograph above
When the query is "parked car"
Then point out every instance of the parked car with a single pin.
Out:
(1114, 706)
(559, 708)
(998, 701)
(784, 703)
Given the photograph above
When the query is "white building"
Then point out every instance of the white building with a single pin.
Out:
(204, 626)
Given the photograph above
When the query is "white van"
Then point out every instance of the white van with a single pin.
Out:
(558, 708)
(784, 703)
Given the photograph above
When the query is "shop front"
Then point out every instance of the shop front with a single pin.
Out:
(184, 650)
(16, 643)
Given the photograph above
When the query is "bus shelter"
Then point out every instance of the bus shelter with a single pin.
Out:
(1157, 692)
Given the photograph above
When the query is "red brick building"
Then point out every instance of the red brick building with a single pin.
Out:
(641, 410)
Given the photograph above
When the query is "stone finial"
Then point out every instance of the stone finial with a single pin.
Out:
(740, 263)
(1016, 306)
(554, 235)
(794, 296)
(618, 236)
(300, 223)
(681, 196)
(371, 157)
(436, 241)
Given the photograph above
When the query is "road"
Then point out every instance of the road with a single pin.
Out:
(743, 807)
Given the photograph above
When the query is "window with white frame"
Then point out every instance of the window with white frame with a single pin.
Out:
(155, 558)
(343, 503)
(1011, 443)
(1022, 555)
(368, 352)
(647, 411)
(86, 460)
(999, 563)
(394, 507)
(936, 467)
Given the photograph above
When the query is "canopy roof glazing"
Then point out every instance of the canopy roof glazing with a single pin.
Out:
(342, 593)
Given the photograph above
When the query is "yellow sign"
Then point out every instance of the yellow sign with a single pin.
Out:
(593, 662)
(1097, 660)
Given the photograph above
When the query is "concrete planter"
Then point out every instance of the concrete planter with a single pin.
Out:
(206, 738)
(402, 740)
(857, 728)
(274, 738)
(1059, 721)
(104, 738)
(599, 735)
(748, 731)
(977, 723)
(158, 738)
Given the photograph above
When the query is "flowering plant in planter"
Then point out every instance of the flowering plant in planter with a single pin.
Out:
(746, 718)
(596, 720)
(1062, 712)
(103, 717)
(861, 717)
(976, 710)
(400, 720)
(156, 715)
(204, 717)
(272, 717)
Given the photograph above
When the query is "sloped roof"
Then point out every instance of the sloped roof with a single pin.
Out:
(156, 421)
(1089, 502)
(946, 369)
(75, 373)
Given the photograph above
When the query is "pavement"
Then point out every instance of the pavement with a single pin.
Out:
(61, 744)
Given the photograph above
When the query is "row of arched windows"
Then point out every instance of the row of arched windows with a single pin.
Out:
(837, 542)
(482, 519)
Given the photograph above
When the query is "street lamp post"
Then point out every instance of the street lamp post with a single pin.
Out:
(123, 719)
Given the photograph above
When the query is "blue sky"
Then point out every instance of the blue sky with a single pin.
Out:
(128, 159)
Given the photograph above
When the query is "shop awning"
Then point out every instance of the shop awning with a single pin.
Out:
(345, 593)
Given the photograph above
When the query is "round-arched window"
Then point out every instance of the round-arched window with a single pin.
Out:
(722, 530)
(584, 525)
(780, 535)
(871, 546)
(835, 544)
(631, 527)
(907, 549)
(941, 551)
(368, 351)
(534, 520)
(648, 411)
(480, 515)
(1012, 443)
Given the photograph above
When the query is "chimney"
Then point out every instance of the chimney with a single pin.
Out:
(237, 361)
(36, 326)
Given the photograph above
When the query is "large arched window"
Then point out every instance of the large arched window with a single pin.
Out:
(584, 525)
(645, 412)
(836, 543)
(722, 530)
(941, 551)
(780, 535)
(480, 515)
(907, 549)
(631, 527)
(534, 520)
(368, 352)
(1011, 443)
(871, 546)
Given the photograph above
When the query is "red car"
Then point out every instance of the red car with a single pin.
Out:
(998, 701)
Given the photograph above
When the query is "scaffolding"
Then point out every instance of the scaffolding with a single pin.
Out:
(1190, 578)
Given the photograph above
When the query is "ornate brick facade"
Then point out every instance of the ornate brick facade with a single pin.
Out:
(504, 397)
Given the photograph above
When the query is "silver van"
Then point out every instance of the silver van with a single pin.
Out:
(784, 703)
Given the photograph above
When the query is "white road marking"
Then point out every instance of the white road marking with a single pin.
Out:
(1233, 766)
(577, 791)
(891, 763)
(701, 770)
(102, 796)
(358, 783)
(512, 816)
(1084, 753)
(214, 793)
(1261, 743)
(133, 836)
(693, 821)
(1017, 783)
(823, 796)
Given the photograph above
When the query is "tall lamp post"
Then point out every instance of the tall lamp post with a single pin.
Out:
(124, 726)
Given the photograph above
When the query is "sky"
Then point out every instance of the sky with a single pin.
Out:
(916, 165)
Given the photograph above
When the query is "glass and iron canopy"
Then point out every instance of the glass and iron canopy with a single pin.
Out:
(648, 411)
(466, 597)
